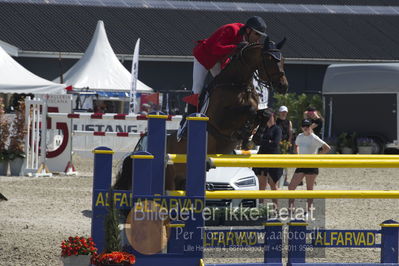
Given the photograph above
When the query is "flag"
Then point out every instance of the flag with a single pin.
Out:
(135, 72)
(192, 99)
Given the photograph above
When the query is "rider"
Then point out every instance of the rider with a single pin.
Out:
(212, 54)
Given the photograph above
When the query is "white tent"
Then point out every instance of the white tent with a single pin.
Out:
(100, 69)
(14, 78)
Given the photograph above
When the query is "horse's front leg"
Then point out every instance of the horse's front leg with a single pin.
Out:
(246, 133)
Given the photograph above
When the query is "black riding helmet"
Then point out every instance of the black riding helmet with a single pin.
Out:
(257, 24)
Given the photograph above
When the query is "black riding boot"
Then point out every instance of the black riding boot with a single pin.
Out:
(182, 128)
(190, 110)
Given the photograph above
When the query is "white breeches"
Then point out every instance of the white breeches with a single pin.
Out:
(199, 75)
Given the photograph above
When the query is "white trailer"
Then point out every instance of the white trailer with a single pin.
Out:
(363, 98)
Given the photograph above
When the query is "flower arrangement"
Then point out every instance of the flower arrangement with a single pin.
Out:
(74, 246)
(365, 141)
(115, 257)
(4, 133)
(285, 146)
(17, 133)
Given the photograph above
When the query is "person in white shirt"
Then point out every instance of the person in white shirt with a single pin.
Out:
(307, 143)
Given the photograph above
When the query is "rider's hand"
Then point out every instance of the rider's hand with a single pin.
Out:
(241, 45)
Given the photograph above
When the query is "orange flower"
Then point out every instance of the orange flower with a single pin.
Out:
(115, 257)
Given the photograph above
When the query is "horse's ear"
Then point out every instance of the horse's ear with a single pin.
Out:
(281, 43)
(267, 40)
(266, 44)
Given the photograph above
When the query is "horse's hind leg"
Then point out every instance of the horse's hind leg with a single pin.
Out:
(124, 177)
(175, 177)
(170, 178)
(180, 182)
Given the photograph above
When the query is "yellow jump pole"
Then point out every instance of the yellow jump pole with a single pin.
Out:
(298, 194)
(181, 158)
(305, 163)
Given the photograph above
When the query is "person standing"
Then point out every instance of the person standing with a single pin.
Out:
(286, 128)
(268, 137)
(312, 114)
(307, 143)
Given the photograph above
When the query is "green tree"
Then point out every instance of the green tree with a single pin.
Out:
(297, 104)
(112, 237)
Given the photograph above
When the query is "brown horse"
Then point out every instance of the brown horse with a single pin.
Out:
(233, 103)
(232, 110)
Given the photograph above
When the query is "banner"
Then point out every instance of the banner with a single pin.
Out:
(135, 72)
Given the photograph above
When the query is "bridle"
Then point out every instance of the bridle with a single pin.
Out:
(273, 53)
(270, 76)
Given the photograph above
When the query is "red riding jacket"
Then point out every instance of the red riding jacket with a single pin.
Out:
(218, 46)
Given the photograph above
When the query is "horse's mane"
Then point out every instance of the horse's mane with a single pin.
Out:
(238, 55)
(249, 46)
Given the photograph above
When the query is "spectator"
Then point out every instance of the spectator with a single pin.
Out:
(284, 123)
(101, 107)
(286, 127)
(268, 137)
(312, 114)
(307, 143)
(145, 109)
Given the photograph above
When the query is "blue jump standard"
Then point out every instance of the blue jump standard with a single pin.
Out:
(148, 179)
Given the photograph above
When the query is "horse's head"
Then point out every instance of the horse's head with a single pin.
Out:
(270, 63)
(274, 65)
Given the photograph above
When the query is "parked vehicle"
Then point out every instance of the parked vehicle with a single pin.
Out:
(223, 178)
(363, 99)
